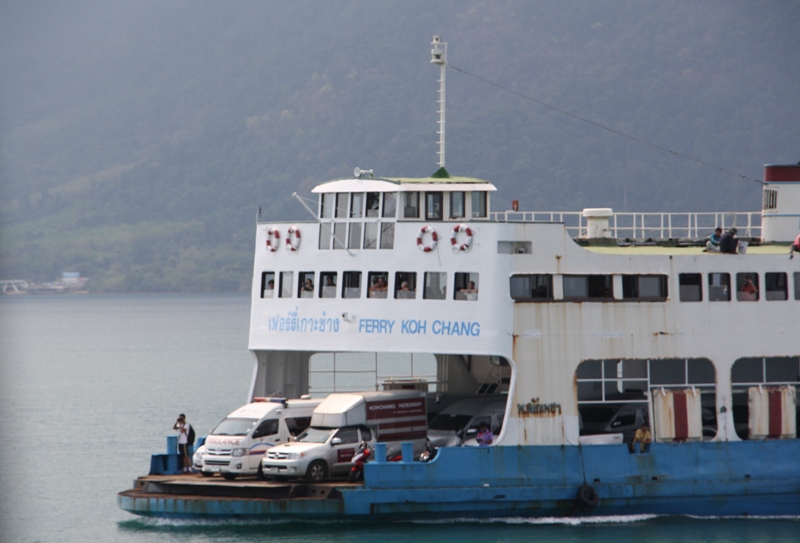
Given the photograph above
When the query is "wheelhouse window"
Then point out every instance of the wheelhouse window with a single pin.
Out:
(411, 205)
(433, 206)
(373, 204)
(588, 287)
(305, 288)
(690, 286)
(287, 278)
(776, 286)
(719, 287)
(327, 284)
(371, 235)
(327, 205)
(389, 205)
(747, 287)
(351, 284)
(341, 205)
(405, 284)
(339, 235)
(354, 239)
(357, 205)
(378, 284)
(457, 205)
(267, 284)
(646, 288)
(479, 204)
(532, 287)
(435, 286)
(387, 235)
(325, 235)
(466, 286)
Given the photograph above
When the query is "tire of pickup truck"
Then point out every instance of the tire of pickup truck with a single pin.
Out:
(229, 476)
(317, 471)
(207, 474)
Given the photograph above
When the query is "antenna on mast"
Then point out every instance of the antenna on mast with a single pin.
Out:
(439, 56)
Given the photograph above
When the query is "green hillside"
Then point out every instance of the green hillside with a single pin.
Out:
(138, 139)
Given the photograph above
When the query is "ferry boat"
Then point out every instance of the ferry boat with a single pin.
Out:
(584, 324)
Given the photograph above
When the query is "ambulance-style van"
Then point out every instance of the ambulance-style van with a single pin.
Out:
(235, 447)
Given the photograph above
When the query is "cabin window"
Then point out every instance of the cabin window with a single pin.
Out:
(755, 372)
(267, 284)
(389, 205)
(797, 285)
(433, 206)
(351, 284)
(387, 235)
(466, 286)
(532, 287)
(457, 205)
(411, 205)
(373, 203)
(339, 235)
(747, 287)
(719, 287)
(405, 284)
(770, 199)
(327, 205)
(357, 205)
(479, 204)
(341, 205)
(378, 284)
(287, 278)
(435, 286)
(690, 287)
(354, 240)
(371, 235)
(776, 286)
(588, 287)
(651, 288)
(325, 235)
(327, 284)
(305, 288)
(268, 427)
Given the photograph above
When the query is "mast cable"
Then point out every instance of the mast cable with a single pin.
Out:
(613, 131)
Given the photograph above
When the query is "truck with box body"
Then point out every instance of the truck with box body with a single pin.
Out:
(340, 423)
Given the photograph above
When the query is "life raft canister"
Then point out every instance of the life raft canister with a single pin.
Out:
(467, 245)
(293, 238)
(434, 238)
(273, 239)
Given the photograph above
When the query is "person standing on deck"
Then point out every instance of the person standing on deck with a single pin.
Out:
(183, 428)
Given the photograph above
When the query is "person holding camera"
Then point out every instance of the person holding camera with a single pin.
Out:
(183, 428)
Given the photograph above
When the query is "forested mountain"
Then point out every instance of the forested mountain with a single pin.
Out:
(138, 138)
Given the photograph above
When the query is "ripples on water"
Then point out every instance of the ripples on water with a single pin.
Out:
(89, 389)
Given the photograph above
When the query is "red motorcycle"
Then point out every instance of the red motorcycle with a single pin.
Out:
(359, 459)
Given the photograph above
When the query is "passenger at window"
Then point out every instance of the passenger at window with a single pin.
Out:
(378, 288)
(642, 438)
(729, 242)
(748, 291)
(470, 288)
(712, 245)
(270, 285)
(329, 281)
(404, 286)
(308, 286)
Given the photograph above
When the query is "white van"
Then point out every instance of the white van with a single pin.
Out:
(236, 445)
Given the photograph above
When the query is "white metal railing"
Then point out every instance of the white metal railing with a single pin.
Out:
(646, 225)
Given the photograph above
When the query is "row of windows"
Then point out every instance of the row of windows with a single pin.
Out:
(356, 205)
(433, 285)
(356, 235)
(653, 288)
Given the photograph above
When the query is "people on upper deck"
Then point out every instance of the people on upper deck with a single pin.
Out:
(795, 247)
(729, 242)
(712, 245)
(641, 439)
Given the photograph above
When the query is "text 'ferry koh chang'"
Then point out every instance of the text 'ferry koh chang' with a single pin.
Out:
(582, 327)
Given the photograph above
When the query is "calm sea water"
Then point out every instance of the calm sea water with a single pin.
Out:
(90, 386)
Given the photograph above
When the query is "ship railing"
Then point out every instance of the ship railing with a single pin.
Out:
(646, 225)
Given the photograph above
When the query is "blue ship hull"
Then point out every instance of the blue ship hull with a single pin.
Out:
(704, 479)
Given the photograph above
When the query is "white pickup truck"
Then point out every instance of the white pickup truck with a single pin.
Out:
(340, 423)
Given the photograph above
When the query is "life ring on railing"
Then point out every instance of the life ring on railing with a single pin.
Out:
(467, 245)
(293, 238)
(273, 239)
(434, 238)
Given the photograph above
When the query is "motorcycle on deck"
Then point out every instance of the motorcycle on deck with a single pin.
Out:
(359, 459)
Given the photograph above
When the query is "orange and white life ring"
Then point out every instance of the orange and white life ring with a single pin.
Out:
(293, 238)
(273, 239)
(467, 245)
(434, 238)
